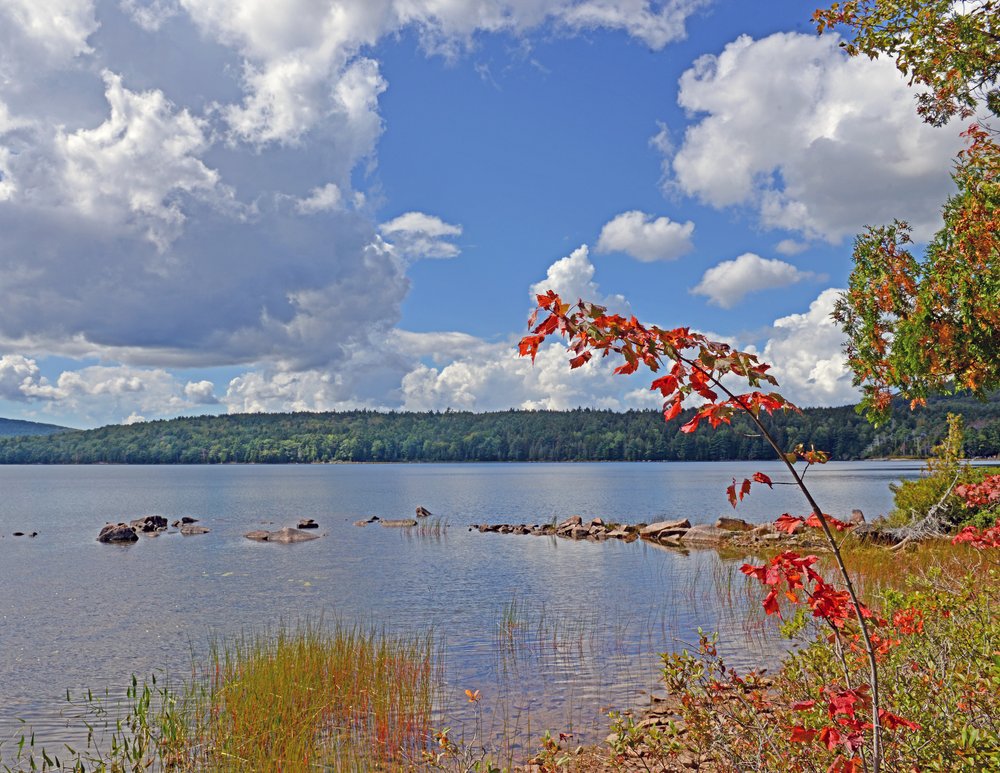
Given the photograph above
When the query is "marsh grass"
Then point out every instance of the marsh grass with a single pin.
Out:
(343, 699)
(310, 696)
(433, 528)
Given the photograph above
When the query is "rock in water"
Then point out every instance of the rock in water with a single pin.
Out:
(284, 536)
(399, 522)
(423, 512)
(706, 533)
(188, 529)
(117, 532)
(149, 523)
(307, 523)
(662, 529)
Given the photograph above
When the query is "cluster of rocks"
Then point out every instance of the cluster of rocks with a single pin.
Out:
(154, 525)
(572, 528)
(150, 526)
(679, 532)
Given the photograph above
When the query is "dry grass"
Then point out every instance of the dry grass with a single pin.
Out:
(342, 698)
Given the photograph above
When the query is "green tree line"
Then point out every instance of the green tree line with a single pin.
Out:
(509, 436)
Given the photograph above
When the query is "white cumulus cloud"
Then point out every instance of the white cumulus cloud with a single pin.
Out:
(646, 238)
(200, 392)
(418, 235)
(132, 169)
(55, 30)
(728, 282)
(806, 351)
(321, 199)
(572, 278)
(811, 140)
(20, 378)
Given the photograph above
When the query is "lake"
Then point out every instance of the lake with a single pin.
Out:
(591, 617)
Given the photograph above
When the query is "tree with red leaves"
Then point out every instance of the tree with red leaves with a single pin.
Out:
(698, 369)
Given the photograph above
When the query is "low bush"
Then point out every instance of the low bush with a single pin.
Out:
(938, 644)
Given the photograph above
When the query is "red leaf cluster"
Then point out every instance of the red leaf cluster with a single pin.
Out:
(789, 523)
(845, 723)
(983, 494)
(696, 363)
(980, 538)
(735, 494)
(795, 571)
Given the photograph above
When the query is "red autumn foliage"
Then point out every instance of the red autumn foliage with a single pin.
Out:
(983, 494)
(980, 538)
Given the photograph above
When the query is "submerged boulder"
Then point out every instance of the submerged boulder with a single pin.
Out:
(189, 529)
(284, 536)
(398, 522)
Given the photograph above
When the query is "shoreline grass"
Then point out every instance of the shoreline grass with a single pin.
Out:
(309, 697)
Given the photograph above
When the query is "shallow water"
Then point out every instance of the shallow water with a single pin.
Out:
(591, 617)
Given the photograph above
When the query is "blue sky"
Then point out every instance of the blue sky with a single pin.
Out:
(241, 205)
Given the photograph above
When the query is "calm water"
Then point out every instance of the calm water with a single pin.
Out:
(75, 613)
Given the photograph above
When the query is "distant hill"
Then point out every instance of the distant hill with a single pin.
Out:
(17, 427)
(508, 436)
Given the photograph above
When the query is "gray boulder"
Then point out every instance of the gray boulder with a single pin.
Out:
(189, 529)
(569, 523)
(706, 533)
(662, 529)
(117, 532)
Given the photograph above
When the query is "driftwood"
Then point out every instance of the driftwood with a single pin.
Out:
(929, 526)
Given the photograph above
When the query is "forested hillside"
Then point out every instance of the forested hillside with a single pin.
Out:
(15, 427)
(368, 436)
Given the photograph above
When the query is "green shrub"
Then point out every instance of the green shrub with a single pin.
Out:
(934, 491)
(939, 662)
